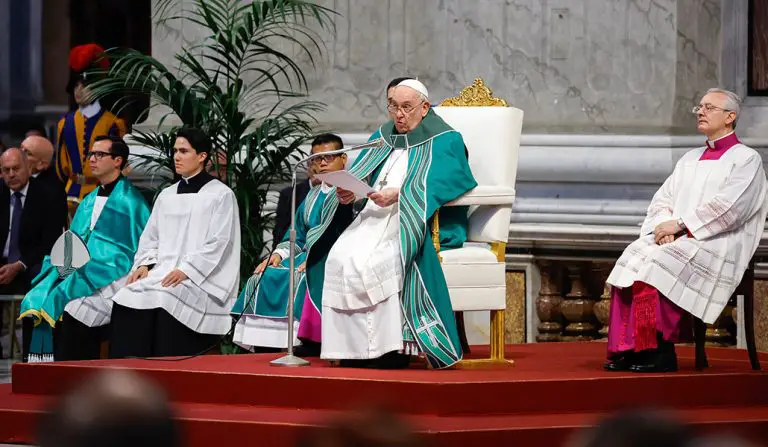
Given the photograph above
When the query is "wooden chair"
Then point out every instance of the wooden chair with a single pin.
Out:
(747, 289)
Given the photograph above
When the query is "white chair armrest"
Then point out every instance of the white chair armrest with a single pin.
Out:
(486, 195)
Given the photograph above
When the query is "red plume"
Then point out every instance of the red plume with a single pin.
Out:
(82, 57)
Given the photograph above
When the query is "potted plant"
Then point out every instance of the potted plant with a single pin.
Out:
(237, 85)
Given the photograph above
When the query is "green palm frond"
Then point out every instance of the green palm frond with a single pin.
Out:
(238, 84)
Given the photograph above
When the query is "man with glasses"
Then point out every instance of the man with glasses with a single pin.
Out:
(283, 211)
(383, 293)
(700, 232)
(109, 221)
(264, 300)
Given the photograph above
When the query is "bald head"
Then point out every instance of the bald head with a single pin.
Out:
(39, 150)
(15, 168)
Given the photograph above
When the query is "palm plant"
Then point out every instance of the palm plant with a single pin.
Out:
(237, 85)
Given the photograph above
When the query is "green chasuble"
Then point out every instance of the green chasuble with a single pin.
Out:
(112, 245)
(438, 172)
(266, 295)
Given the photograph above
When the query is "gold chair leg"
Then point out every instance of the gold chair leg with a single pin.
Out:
(496, 359)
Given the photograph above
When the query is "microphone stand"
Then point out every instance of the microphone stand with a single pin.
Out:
(289, 359)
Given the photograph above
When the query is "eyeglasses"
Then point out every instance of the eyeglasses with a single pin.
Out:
(406, 109)
(326, 158)
(708, 108)
(98, 155)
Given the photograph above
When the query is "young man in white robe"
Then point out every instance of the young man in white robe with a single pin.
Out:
(702, 228)
(186, 271)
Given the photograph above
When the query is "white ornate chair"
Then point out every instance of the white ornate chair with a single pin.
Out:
(475, 273)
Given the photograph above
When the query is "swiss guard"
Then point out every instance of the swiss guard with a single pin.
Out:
(78, 129)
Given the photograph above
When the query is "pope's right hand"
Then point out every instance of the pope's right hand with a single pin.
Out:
(345, 197)
(273, 261)
(137, 274)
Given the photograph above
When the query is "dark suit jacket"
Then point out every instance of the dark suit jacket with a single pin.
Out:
(51, 180)
(42, 222)
(283, 213)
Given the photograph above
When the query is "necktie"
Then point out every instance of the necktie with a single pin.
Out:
(14, 253)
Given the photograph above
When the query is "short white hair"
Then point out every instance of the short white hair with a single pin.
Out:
(732, 102)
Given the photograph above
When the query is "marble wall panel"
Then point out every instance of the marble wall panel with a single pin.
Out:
(582, 66)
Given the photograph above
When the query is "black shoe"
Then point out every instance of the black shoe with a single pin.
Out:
(392, 360)
(660, 360)
(265, 350)
(354, 363)
(621, 361)
(307, 349)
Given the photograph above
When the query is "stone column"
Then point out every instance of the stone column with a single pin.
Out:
(548, 304)
(577, 306)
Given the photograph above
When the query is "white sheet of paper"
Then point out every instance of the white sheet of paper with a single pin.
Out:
(345, 180)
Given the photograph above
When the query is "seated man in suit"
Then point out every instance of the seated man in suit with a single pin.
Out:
(31, 221)
(329, 142)
(264, 300)
(32, 216)
(39, 151)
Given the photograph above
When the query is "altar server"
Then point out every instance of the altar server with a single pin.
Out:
(264, 300)
(186, 271)
(700, 232)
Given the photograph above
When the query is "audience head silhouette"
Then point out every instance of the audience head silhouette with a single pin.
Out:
(116, 408)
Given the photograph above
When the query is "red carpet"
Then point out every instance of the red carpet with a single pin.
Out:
(553, 390)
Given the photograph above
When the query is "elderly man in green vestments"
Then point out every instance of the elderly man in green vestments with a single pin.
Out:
(384, 296)
(78, 301)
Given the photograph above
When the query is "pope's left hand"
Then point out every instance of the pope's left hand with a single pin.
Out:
(385, 197)
(174, 278)
(668, 228)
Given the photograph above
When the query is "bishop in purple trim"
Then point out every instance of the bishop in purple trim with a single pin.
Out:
(701, 229)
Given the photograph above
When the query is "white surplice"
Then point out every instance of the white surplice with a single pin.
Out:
(361, 316)
(95, 310)
(200, 235)
(723, 204)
